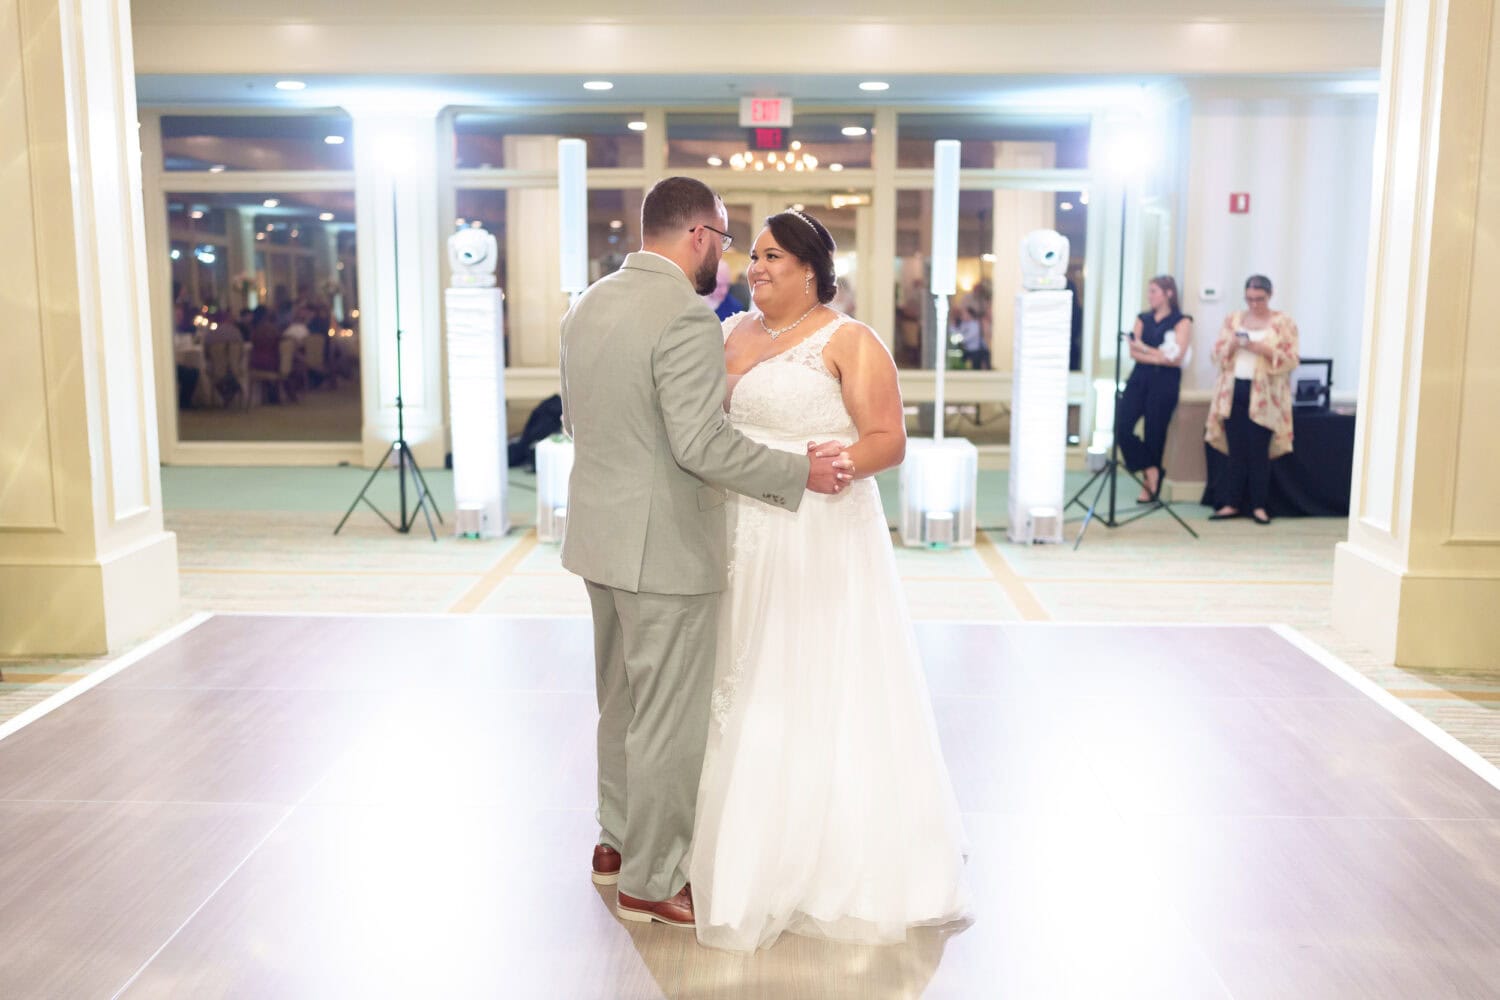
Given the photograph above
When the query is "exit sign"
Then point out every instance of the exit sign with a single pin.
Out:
(1239, 204)
(768, 138)
(771, 112)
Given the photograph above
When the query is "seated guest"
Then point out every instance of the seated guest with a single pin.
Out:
(187, 385)
(1158, 344)
(265, 356)
(1250, 418)
(297, 329)
(222, 331)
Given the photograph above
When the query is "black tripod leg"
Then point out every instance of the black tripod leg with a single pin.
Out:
(425, 503)
(424, 498)
(426, 490)
(1168, 508)
(1078, 497)
(1103, 482)
(365, 488)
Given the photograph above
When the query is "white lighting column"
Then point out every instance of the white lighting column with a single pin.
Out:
(940, 478)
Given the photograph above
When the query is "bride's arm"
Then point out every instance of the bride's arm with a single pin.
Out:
(872, 395)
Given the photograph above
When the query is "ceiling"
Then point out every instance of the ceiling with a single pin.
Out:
(833, 11)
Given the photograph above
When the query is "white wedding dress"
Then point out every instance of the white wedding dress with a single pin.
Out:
(825, 807)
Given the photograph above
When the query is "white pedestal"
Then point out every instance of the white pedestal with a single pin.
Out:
(1039, 416)
(939, 490)
(554, 464)
(476, 399)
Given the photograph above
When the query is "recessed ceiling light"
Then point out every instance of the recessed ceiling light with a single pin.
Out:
(835, 167)
(217, 168)
(196, 213)
(714, 161)
(854, 131)
(1066, 206)
(271, 202)
(598, 85)
(334, 140)
(616, 224)
(325, 216)
(260, 236)
(290, 85)
(637, 126)
(1083, 199)
(874, 85)
(176, 254)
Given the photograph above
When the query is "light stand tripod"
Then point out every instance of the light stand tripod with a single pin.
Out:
(406, 463)
(1109, 473)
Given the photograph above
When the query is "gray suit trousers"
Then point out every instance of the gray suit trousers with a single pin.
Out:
(654, 665)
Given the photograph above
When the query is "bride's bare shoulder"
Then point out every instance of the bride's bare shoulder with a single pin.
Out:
(740, 320)
(852, 335)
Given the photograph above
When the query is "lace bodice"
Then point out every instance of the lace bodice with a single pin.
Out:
(792, 398)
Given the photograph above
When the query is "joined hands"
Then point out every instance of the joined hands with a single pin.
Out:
(830, 468)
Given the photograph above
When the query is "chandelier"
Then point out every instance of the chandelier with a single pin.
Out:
(792, 159)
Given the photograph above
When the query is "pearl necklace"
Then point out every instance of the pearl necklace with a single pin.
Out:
(761, 319)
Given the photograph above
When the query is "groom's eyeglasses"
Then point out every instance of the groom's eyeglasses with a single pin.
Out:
(725, 240)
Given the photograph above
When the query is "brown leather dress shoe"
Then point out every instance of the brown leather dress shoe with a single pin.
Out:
(677, 911)
(606, 865)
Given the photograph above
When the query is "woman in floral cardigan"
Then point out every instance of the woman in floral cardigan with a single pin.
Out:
(1250, 418)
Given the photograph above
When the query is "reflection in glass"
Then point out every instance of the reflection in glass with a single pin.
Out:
(817, 143)
(257, 142)
(1033, 142)
(515, 141)
(265, 316)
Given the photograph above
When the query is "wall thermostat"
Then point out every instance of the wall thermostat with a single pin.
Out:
(1208, 293)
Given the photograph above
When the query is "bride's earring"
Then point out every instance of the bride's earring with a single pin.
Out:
(807, 283)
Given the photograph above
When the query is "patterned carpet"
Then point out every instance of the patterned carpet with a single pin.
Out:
(261, 540)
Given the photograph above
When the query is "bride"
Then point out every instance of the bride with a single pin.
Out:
(825, 807)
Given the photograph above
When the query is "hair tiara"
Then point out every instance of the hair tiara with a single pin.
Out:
(793, 211)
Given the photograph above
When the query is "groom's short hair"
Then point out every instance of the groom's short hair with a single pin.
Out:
(676, 203)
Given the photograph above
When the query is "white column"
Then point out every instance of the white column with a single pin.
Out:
(241, 235)
(84, 563)
(1016, 214)
(326, 263)
(1418, 581)
(396, 206)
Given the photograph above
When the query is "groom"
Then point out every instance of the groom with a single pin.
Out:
(643, 389)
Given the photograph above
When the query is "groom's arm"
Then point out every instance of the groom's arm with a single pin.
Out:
(688, 366)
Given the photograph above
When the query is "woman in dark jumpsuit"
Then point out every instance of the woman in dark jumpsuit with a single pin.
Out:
(1158, 345)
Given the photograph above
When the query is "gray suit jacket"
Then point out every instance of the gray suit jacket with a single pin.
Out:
(643, 397)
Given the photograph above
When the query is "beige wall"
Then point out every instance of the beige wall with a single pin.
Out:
(1305, 161)
(675, 36)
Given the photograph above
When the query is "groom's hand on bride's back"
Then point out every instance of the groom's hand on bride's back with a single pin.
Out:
(829, 467)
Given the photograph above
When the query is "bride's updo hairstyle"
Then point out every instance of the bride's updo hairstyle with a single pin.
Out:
(807, 239)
